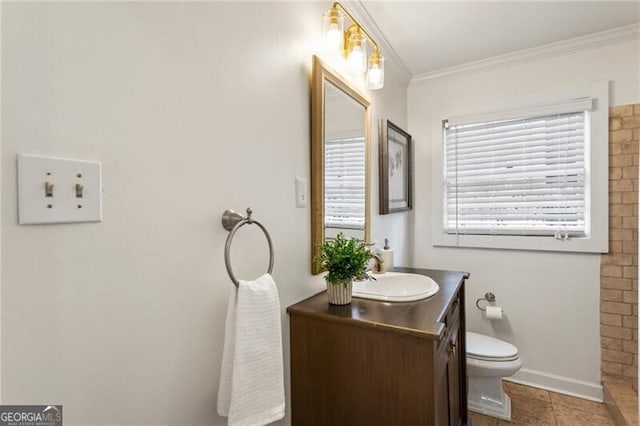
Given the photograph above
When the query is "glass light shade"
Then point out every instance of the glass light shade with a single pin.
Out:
(357, 55)
(332, 32)
(375, 73)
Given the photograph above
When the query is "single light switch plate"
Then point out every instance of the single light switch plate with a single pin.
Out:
(58, 190)
(301, 192)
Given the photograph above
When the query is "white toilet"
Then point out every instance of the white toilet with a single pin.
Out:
(488, 361)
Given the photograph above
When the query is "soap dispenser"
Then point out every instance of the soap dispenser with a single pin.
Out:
(387, 256)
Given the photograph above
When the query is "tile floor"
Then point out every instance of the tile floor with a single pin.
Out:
(622, 403)
(531, 406)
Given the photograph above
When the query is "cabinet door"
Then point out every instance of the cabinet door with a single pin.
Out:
(441, 392)
(453, 377)
(449, 358)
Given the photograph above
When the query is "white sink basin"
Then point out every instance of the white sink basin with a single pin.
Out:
(396, 287)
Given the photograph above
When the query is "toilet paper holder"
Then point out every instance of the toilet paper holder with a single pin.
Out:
(488, 297)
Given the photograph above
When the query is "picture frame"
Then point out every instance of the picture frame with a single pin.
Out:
(395, 168)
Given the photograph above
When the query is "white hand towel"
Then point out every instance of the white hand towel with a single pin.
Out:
(251, 390)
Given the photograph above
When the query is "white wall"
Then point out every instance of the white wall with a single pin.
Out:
(551, 300)
(389, 103)
(193, 109)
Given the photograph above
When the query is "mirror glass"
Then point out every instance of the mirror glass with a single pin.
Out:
(340, 159)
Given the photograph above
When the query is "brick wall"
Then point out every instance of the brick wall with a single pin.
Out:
(619, 268)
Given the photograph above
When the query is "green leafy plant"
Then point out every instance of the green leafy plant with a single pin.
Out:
(344, 259)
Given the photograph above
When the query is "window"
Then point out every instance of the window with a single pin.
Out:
(523, 176)
(344, 183)
(533, 178)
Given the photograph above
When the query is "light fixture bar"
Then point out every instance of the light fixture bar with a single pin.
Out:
(337, 5)
(354, 46)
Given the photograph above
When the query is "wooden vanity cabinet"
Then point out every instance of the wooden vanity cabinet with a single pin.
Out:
(378, 363)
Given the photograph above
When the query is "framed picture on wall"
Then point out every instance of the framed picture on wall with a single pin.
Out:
(395, 168)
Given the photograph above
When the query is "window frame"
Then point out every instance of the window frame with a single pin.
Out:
(597, 192)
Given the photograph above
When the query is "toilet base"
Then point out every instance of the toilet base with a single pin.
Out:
(486, 396)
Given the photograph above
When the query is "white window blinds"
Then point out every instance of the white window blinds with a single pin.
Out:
(523, 176)
(344, 183)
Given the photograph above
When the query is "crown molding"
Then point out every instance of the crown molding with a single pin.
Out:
(565, 47)
(360, 12)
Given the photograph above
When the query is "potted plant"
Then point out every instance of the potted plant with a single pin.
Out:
(343, 259)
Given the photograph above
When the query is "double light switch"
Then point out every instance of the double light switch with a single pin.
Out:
(57, 190)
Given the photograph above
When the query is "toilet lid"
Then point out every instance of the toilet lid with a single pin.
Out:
(481, 346)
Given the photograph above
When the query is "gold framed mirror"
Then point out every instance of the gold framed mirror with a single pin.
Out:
(340, 143)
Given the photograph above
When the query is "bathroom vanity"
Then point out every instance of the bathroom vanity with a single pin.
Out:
(381, 363)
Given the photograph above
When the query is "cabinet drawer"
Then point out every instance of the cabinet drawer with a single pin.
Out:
(453, 313)
(451, 321)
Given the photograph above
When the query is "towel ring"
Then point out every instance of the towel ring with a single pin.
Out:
(232, 221)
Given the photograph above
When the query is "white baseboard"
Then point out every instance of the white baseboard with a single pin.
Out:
(558, 384)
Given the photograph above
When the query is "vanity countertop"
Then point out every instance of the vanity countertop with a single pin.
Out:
(422, 318)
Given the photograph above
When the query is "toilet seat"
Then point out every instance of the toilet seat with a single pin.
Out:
(490, 359)
(486, 348)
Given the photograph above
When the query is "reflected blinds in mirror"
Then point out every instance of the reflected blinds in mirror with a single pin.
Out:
(344, 176)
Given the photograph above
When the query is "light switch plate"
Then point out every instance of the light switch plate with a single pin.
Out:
(58, 190)
(301, 192)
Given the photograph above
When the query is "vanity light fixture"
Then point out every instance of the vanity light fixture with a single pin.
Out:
(351, 44)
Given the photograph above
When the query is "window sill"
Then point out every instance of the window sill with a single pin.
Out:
(531, 243)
